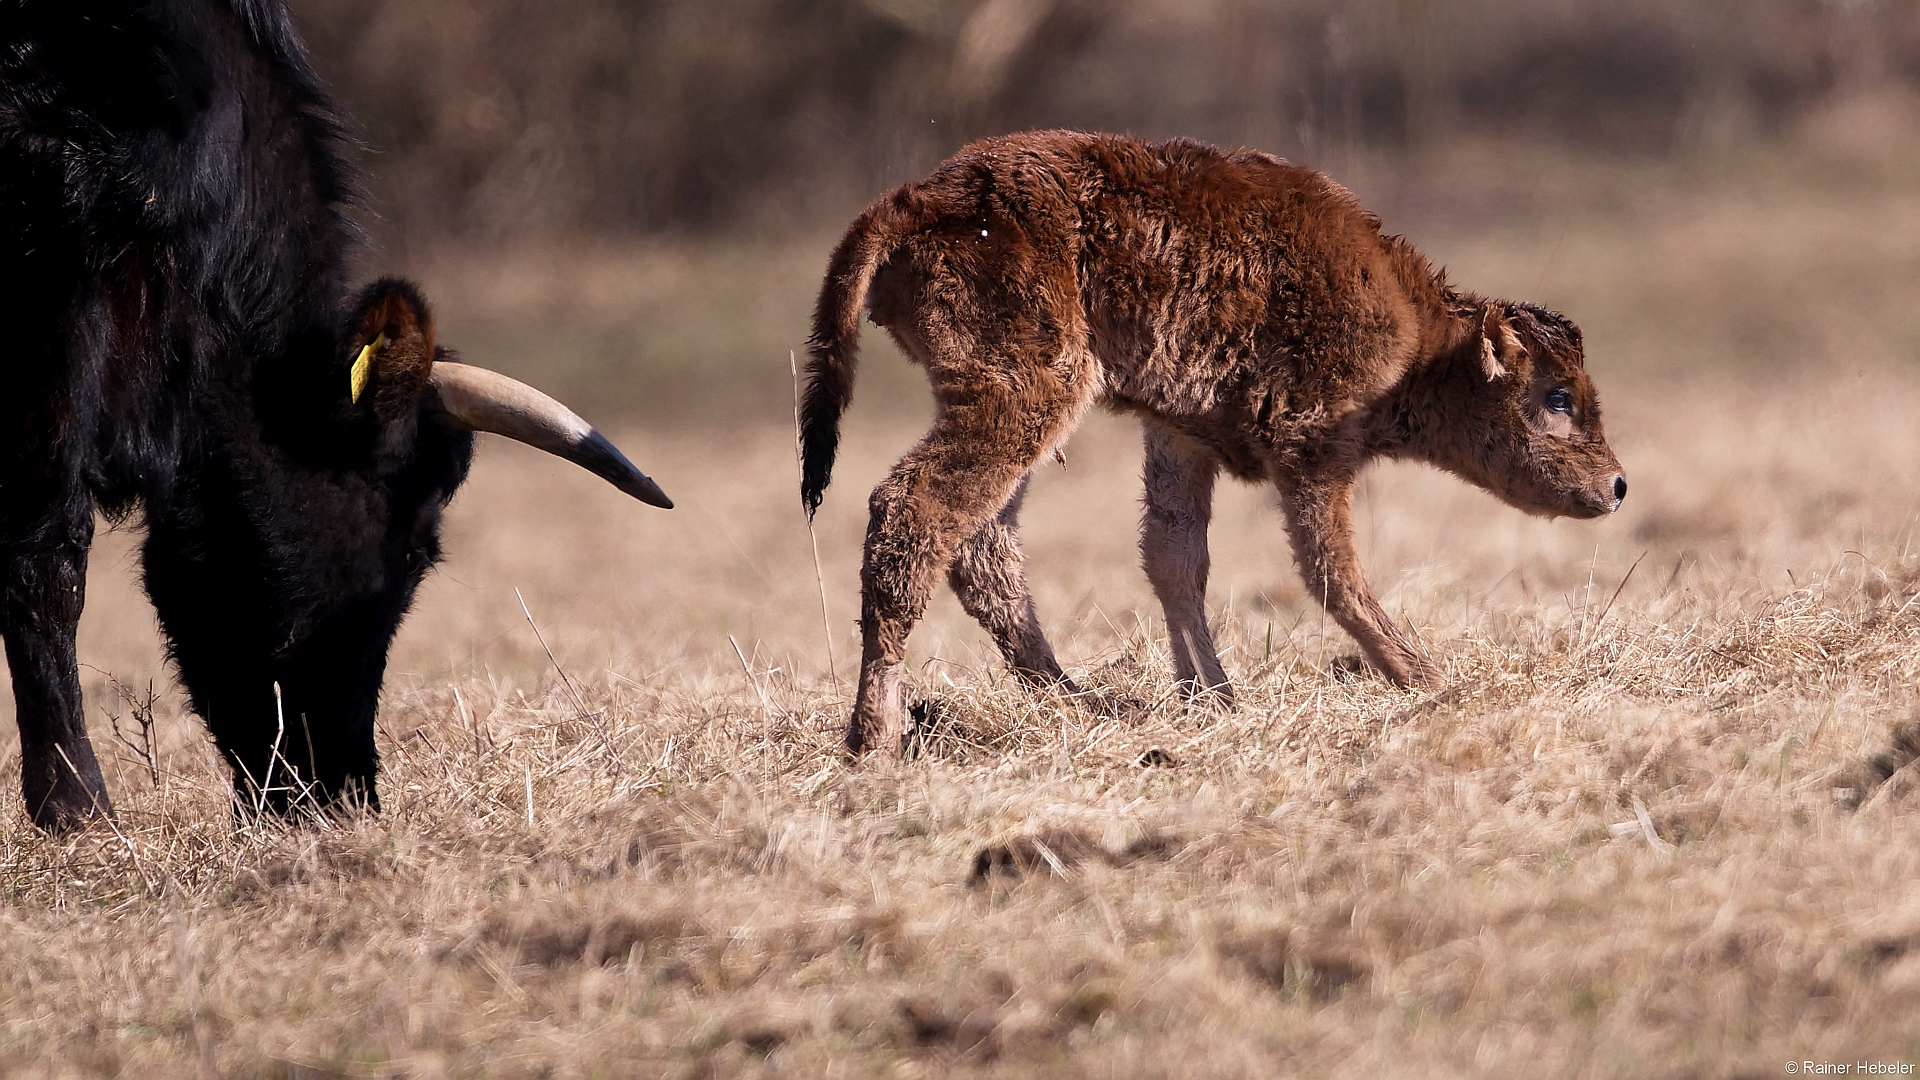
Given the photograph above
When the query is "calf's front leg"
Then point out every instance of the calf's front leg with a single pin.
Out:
(1320, 524)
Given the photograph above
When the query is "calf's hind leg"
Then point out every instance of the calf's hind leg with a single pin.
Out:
(1173, 549)
(955, 481)
(989, 576)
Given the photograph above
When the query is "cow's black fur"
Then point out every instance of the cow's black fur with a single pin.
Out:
(174, 238)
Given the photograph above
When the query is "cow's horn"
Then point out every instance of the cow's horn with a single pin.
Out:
(475, 399)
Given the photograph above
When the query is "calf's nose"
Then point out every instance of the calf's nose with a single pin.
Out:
(1619, 491)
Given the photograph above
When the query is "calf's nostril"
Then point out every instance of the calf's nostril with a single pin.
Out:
(1619, 489)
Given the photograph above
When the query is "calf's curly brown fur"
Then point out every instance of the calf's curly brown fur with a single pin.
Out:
(1250, 311)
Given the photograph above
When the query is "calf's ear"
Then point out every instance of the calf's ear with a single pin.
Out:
(390, 349)
(1498, 343)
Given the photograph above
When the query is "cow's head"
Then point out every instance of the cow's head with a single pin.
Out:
(400, 379)
(283, 574)
(1525, 419)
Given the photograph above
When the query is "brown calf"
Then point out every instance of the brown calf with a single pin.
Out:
(1248, 310)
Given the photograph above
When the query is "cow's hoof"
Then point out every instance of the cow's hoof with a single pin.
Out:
(68, 807)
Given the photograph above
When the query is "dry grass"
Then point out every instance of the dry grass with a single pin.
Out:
(1663, 824)
(1645, 833)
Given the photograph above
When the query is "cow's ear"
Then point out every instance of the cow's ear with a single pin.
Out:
(390, 349)
(1498, 343)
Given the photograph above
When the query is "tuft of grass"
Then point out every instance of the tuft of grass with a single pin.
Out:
(1660, 821)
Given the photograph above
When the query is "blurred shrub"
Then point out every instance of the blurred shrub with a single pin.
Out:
(495, 119)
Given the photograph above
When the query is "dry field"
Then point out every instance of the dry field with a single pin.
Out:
(1662, 824)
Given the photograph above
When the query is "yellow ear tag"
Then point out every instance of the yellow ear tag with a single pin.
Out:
(363, 367)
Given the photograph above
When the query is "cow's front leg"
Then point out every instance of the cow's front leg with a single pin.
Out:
(39, 613)
(1319, 513)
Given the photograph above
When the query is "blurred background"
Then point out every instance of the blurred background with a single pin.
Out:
(635, 199)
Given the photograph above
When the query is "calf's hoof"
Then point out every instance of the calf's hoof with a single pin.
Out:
(1421, 675)
(1430, 677)
(1044, 680)
(1202, 696)
(1345, 669)
(866, 739)
(931, 728)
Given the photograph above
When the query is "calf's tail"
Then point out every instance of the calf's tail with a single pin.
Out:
(833, 348)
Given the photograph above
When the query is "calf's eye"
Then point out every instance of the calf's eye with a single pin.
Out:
(1560, 401)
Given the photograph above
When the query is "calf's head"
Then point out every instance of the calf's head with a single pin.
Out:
(1524, 420)
(282, 571)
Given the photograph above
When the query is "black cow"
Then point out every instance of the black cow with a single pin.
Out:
(180, 339)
